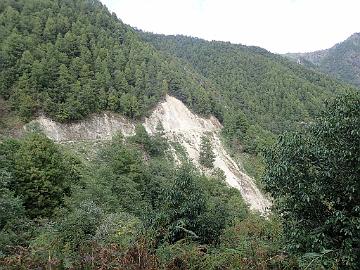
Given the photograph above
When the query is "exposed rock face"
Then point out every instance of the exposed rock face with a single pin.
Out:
(97, 127)
(179, 125)
(342, 60)
(182, 126)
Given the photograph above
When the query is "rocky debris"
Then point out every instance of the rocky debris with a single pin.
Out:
(178, 124)
(96, 127)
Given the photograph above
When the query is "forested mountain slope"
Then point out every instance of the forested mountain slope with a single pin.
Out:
(269, 90)
(341, 60)
(184, 130)
(128, 203)
(71, 58)
(67, 59)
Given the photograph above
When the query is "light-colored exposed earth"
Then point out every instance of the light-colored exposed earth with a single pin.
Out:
(179, 125)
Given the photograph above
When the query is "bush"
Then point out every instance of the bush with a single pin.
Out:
(314, 177)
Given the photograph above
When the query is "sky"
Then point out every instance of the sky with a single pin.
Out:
(279, 26)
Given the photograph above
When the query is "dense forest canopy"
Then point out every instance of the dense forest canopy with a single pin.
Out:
(119, 209)
(268, 89)
(68, 59)
(314, 176)
(128, 203)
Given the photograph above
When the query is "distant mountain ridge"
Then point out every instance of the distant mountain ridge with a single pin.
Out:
(342, 60)
(252, 85)
(81, 59)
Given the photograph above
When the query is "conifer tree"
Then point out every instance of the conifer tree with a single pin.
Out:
(207, 156)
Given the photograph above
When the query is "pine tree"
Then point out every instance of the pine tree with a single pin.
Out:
(129, 105)
(41, 175)
(207, 156)
(113, 100)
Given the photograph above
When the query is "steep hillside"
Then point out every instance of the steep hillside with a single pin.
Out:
(179, 126)
(169, 192)
(68, 59)
(262, 91)
(96, 127)
(341, 60)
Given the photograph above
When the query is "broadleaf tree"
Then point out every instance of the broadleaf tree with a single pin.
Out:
(314, 177)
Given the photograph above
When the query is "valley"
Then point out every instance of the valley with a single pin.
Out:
(126, 149)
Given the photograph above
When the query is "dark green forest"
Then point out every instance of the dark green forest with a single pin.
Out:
(259, 92)
(118, 209)
(129, 204)
(122, 211)
(68, 59)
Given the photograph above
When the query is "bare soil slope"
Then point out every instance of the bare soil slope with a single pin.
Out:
(179, 125)
(182, 126)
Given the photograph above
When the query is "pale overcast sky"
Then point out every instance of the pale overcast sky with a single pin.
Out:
(277, 25)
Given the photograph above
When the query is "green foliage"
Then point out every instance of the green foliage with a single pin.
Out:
(153, 145)
(252, 243)
(41, 173)
(207, 156)
(195, 207)
(127, 208)
(254, 165)
(69, 59)
(15, 228)
(183, 205)
(255, 94)
(62, 239)
(131, 207)
(120, 171)
(314, 178)
(340, 61)
(11, 206)
(122, 229)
